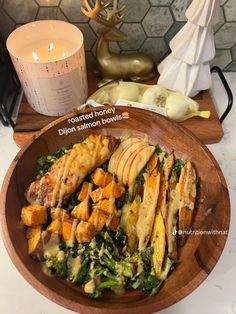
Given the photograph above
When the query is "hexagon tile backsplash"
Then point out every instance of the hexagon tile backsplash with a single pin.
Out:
(150, 25)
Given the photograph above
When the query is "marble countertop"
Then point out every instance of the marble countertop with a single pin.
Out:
(217, 293)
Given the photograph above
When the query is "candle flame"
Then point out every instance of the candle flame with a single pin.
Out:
(35, 56)
(50, 47)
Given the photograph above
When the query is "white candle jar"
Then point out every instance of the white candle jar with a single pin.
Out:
(49, 59)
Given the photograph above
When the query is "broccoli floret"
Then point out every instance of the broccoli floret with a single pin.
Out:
(120, 238)
(102, 278)
(58, 268)
(86, 250)
(147, 283)
(127, 269)
(80, 274)
(111, 281)
(144, 280)
(78, 262)
(96, 294)
(75, 249)
(122, 268)
(107, 260)
(107, 270)
(105, 241)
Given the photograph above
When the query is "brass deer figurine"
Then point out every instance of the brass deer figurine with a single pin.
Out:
(112, 66)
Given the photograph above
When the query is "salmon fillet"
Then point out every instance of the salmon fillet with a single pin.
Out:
(67, 173)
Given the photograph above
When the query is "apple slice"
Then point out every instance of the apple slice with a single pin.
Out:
(129, 162)
(126, 152)
(116, 155)
(139, 162)
(121, 163)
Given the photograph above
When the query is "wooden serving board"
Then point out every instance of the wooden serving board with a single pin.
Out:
(209, 131)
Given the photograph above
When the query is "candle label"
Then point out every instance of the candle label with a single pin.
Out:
(64, 90)
(54, 88)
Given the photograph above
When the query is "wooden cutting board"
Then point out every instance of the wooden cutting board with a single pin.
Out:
(209, 131)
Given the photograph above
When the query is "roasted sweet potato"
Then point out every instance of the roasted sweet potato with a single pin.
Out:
(113, 222)
(35, 245)
(84, 232)
(98, 219)
(32, 231)
(59, 213)
(97, 195)
(34, 215)
(113, 189)
(104, 212)
(107, 206)
(68, 229)
(55, 227)
(101, 178)
(81, 211)
(85, 191)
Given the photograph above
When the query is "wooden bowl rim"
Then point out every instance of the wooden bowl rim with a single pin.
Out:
(70, 304)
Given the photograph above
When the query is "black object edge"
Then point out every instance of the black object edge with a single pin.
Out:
(10, 87)
(228, 92)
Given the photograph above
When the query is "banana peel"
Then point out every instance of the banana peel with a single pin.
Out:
(145, 94)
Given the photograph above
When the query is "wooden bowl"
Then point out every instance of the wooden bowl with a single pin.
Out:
(197, 257)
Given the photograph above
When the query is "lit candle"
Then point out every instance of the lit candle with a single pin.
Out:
(50, 61)
(45, 51)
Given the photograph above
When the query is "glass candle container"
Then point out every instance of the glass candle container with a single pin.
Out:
(49, 59)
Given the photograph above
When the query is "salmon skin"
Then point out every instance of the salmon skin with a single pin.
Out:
(68, 172)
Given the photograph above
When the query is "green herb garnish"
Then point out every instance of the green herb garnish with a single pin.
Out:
(140, 179)
(198, 183)
(177, 167)
(158, 150)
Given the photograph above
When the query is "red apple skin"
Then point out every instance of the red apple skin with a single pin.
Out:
(125, 156)
(116, 155)
(132, 157)
(145, 159)
(125, 149)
